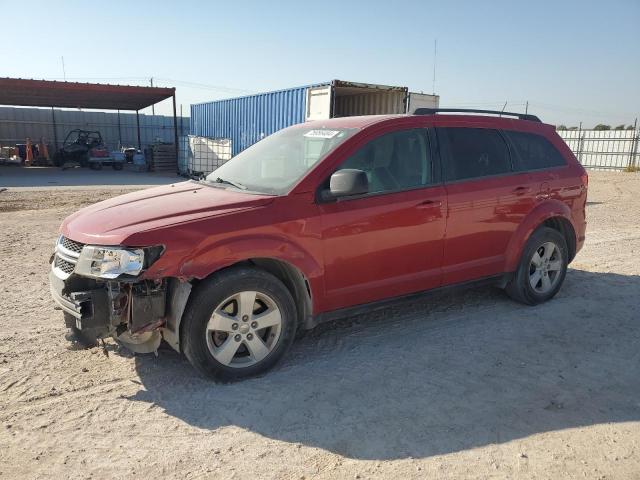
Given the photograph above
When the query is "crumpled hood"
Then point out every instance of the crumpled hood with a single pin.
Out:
(110, 222)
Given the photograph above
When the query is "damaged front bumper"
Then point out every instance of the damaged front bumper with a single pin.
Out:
(81, 305)
(136, 313)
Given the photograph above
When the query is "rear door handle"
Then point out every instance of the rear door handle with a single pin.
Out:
(430, 204)
(521, 190)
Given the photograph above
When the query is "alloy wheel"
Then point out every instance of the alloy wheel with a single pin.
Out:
(244, 329)
(545, 268)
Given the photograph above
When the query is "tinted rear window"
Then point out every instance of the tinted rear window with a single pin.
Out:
(535, 151)
(473, 153)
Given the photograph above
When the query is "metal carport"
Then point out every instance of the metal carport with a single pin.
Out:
(47, 93)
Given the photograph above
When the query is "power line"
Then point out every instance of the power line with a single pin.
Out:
(220, 88)
(170, 81)
(95, 78)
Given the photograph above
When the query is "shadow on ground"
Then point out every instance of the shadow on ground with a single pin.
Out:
(444, 374)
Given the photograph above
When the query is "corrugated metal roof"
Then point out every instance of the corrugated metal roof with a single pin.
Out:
(47, 93)
(263, 93)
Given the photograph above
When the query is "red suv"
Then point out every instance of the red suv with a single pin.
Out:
(318, 221)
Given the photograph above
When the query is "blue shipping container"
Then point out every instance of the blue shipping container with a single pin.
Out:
(245, 120)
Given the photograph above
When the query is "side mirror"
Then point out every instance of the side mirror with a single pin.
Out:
(348, 182)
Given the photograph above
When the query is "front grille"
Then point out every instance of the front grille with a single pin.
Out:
(62, 264)
(72, 245)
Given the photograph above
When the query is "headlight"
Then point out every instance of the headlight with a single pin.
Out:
(109, 262)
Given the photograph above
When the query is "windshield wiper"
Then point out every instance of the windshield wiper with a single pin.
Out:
(232, 183)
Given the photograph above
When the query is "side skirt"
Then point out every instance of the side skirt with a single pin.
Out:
(494, 280)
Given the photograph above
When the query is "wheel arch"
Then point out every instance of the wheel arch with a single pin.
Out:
(295, 281)
(291, 276)
(564, 226)
(553, 214)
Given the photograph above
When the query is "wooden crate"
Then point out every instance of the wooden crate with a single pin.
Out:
(163, 158)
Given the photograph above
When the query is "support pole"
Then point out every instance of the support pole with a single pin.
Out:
(119, 132)
(153, 110)
(579, 152)
(55, 133)
(138, 125)
(175, 134)
(634, 147)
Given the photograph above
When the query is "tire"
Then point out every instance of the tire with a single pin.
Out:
(528, 285)
(117, 166)
(222, 316)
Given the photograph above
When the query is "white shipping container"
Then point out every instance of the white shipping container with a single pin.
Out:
(421, 100)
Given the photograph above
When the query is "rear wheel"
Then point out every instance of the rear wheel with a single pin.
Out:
(238, 323)
(542, 268)
(117, 165)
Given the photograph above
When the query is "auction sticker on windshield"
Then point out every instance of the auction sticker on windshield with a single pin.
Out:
(321, 133)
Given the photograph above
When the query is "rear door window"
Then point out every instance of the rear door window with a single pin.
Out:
(473, 153)
(534, 152)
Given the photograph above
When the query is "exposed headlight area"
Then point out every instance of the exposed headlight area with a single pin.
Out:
(101, 262)
(109, 262)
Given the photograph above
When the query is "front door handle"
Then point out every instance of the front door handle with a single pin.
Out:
(430, 204)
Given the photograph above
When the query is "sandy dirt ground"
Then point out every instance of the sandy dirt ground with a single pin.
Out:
(466, 385)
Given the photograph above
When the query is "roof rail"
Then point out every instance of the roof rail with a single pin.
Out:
(433, 111)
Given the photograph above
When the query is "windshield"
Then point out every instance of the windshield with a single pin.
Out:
(276, 163)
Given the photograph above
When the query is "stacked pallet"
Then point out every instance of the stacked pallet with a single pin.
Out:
(163, 158)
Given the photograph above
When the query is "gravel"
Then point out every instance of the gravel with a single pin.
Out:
(453, 385)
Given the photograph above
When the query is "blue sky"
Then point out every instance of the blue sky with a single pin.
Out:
(573, 61)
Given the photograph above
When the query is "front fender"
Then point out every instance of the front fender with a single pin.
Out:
(210, 258)
(537, 216)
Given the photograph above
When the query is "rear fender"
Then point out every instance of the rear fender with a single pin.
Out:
(542, 212)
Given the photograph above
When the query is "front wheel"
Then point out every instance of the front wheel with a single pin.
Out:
(238, 323)
(542, 268)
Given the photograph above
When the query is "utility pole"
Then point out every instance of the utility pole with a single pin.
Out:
(435, 52)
